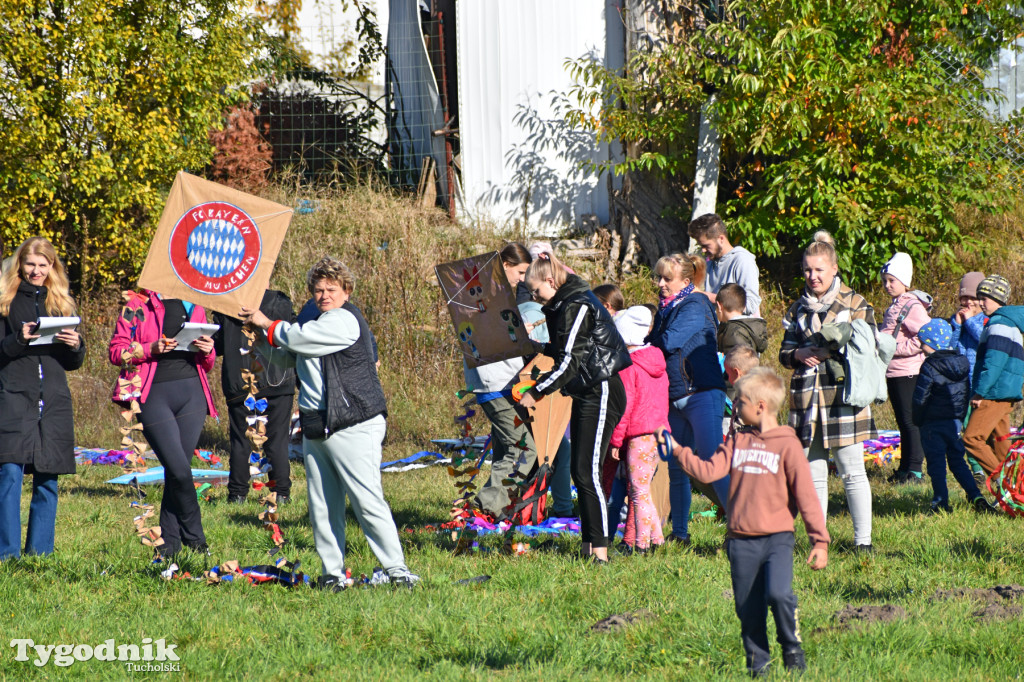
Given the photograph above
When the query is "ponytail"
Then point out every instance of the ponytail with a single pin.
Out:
(542, 268)
(682, 266)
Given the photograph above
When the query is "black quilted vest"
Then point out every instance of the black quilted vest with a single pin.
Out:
(352, 389)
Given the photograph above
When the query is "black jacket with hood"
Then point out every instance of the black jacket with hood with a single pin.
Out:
(227, 342)
(586, 346)
(37, 425)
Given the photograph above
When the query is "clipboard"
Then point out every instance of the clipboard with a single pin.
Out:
(191, 331)
(48, 327)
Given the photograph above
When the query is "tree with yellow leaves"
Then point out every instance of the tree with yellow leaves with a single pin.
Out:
(101, 103)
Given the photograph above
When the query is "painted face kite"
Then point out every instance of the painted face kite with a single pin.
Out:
(466, 336)
(474, 287)
(512, 323)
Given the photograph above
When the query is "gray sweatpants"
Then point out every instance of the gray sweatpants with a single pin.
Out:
(348, 463)
(850, 467)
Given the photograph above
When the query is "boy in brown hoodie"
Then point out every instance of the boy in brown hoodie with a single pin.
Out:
(770, 481)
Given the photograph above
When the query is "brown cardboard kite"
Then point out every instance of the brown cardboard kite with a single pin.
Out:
(549, 415)
(483, 309)
(215, 246)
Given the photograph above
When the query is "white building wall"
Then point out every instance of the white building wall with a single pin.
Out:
(520, 160)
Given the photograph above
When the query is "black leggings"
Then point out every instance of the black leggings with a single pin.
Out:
(279, 419)
(172, 419)
(594, 417)
(901, 395)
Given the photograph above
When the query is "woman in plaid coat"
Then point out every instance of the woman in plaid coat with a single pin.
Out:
(824, 424)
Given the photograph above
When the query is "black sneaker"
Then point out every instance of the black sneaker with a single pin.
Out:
(863, 549)
(795, 661)
(283, 499)
(764, 671)
(675, 539)
(626, 550)
(906, 477)
(983, 506)
(329, 583)
(940, 508)
(898, 477)
(236, 499)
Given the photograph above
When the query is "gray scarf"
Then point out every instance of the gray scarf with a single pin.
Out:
(812, 307)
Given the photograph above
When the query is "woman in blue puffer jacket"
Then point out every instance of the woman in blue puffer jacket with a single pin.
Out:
(685, 329)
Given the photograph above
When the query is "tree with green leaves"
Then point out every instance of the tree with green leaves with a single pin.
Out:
(101, 103)
(858, 117)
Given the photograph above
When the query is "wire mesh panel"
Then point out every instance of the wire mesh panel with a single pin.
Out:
(318, 125)
(1005, 76)
(421, 87)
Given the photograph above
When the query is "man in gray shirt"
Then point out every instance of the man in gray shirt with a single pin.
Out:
(726, 263)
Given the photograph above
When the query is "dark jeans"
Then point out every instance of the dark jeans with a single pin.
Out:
(42, 512)
(594, 417)
(901, 395)
(561, 482)
(172, 419)
(616, 501)
(279, 419)
(696, 422)
(942, 443)
(762, 576)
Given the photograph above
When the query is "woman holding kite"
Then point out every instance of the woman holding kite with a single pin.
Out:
(342, 411)
(588, 354)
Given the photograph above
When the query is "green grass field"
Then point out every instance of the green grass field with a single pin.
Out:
(531, 620)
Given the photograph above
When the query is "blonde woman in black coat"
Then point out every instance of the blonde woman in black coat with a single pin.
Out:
(36, 420)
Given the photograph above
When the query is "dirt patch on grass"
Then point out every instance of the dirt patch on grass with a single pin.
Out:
(995, 601)
(986, 595)
(851, 615)
(994, 612)
(620, 621)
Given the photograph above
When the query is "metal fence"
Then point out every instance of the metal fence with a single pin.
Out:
(1006, 77)
(319, 124)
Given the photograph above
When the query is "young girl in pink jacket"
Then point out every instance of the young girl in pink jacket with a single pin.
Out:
(903, 318)
(646, 384)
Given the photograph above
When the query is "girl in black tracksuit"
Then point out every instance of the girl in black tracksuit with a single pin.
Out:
(588, 354)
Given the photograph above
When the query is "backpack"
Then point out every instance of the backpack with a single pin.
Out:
(528, 508)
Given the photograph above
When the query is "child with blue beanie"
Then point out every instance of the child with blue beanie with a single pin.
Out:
(940, 403)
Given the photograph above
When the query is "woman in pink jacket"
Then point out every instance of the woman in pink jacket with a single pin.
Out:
(646, 384)
(171, 386)
(907, 313)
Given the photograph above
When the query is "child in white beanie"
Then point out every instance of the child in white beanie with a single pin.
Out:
(904, 317)
(646, 384)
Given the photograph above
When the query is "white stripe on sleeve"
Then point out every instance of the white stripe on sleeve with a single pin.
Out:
(567, 358)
